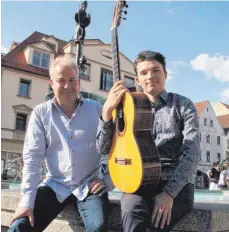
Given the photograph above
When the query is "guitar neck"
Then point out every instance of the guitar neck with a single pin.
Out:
(115, 55)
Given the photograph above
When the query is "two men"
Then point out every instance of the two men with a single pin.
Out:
(62, 131)
(175, 130)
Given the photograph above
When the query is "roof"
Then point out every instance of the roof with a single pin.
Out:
(16, 57)
(224, 121)
(200, 107)
(220, 108)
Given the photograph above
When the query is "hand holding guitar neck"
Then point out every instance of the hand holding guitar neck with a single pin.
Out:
(114, 97)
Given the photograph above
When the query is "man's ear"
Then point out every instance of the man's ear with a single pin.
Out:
(137, 80)
(51, 82)
(166, 75)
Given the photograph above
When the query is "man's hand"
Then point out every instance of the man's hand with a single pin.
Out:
(113, 99)
(98, 187)
(162, 209)
(23, 212)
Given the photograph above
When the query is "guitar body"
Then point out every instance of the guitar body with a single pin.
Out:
(133, 159)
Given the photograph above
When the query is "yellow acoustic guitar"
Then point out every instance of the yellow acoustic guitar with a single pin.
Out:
(133, 159)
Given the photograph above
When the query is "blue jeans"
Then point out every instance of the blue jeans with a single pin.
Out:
(93, 211)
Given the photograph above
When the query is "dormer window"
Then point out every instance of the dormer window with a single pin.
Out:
(41, 59)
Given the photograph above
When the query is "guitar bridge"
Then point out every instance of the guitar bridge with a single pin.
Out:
(122, 161)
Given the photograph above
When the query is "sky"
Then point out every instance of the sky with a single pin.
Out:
(193, 36)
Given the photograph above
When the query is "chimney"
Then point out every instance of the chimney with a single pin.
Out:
(14, 45)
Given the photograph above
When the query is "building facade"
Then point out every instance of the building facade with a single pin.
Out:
(25, 83)
(213, 141)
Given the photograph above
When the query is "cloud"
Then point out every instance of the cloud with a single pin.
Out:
(215, 66)
(4, 50)
(177, 64)
(170, 73)
(224, 95)
(173, 68)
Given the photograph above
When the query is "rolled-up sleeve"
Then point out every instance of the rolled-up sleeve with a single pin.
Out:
(104, 136)
(33, 154)
(190, 150)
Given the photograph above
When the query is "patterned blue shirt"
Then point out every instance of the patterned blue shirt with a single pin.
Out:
(67, 145)
(175, 130)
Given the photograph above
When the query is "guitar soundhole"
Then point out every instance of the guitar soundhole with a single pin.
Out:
(122, 161)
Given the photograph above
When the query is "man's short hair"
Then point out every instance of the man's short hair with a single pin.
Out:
(148, 56)
(65, 61)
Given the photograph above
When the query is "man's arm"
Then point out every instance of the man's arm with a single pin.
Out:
(104, 136)
(209, 173)
(190, 148)
(33, 154)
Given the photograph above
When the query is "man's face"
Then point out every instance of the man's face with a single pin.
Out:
(151, 77)
(65, 84)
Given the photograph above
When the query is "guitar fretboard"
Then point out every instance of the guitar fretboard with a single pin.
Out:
(115, 55)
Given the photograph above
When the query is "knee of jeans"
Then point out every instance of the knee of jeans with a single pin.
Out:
(19, 225)
(97, 226)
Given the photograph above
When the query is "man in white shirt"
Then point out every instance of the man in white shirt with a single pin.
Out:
(62, 132)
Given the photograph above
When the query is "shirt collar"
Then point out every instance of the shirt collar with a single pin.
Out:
(164, 96)
(54, 102)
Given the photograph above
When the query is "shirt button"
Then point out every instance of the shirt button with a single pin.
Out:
(71, 137)
(72, 178)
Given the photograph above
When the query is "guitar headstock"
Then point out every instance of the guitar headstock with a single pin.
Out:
(118, 11)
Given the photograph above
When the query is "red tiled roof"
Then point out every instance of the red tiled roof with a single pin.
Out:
(16, 58)
(226, 105)
(200, 106)
(224, 121)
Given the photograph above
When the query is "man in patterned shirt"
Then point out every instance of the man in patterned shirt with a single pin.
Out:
(175, 130)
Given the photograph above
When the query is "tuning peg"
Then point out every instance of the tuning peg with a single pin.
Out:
(124, 18)
(126, 6)
(124, 11)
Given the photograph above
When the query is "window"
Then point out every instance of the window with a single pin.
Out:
(24, 88)
(200, 136)
(218, 140)
(207, 109)
(106, 80)
(208, 156)
(128, 81)
(41, 59)
(211, 123)
(21, 122)
(208, 138)
(85, 74)
(205, 121)
(200, 157)
(218, 156)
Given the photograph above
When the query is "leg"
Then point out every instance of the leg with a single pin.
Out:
(46, 208)
(136, 215)
(94, 210)
(182, 205)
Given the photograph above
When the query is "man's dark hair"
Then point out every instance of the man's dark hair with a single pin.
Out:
(148, 56)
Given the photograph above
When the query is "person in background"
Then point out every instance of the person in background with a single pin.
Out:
(213, 175)
(223, 176)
